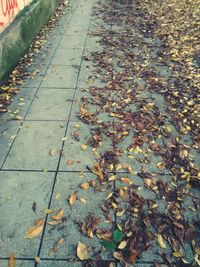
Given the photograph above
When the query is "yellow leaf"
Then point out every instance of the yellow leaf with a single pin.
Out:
(160, 241)
(72, 198)
(82, 200)
(183, 154)
(112, 178)
(161, 166)
(126, 180)
(82, 252)
(54, 222)
(70, 162)
(85, 186)
(34, 231)
(114, 205)
(52, 152)
(11, 262)
(109, 195)
(168, 129)
(58, 216)
(120, 213)
(84, 147)
(177, 254)
(122, 245)
(48, 211)
(37, 259)
(111, 167)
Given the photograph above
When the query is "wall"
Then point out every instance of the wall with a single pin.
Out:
(9, 9)
(16, 39)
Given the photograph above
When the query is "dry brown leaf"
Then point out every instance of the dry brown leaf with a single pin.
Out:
(96, 169)
(37, 259)
(120, 213)
(183, 154)
(161, 241)
(122, 245)
(11, 262)
(112, 178)
(58, 216)
(126, 180)
(118, 255)
(82, 251)
(177, 254)
(82, 200)
(85, 186)
(72, 198)
(70, 162)
(52, 152)
(84, 147)
(54, 222)
(39, 222)
(161, 166)
(132, 256)
(48, 211)
(34, 231)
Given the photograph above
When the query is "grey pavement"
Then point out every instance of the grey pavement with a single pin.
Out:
(44, 155)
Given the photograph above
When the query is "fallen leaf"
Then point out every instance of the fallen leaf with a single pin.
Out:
(85, 186)
(84, 147)
(70, 162)
(177, 254)
(58, 216)
(48, 211)
(132, 256)
(11, 262)
(161, 241)
(112, 178)
(52, 152)
(72, 198)
(37, 259)
(126, 180)
(122, 245)
(82, 200)
(82, 251)
(34, 231)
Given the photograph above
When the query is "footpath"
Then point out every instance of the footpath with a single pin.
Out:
(96, 171)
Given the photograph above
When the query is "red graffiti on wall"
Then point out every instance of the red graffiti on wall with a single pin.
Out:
(8, 7)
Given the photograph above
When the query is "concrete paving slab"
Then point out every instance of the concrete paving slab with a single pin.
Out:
(20, 104)
(80, 17)
(8, 131)
(51, 104)
(74, 157)
(67, 56)
(92, 44)
(19, 191)
(88, 76)
(72, 41)
(18, 263)
(36, 147)
(60, 77)
(69, 229)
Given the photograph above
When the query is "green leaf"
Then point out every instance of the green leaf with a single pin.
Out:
(117, 236)
(109, 245)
